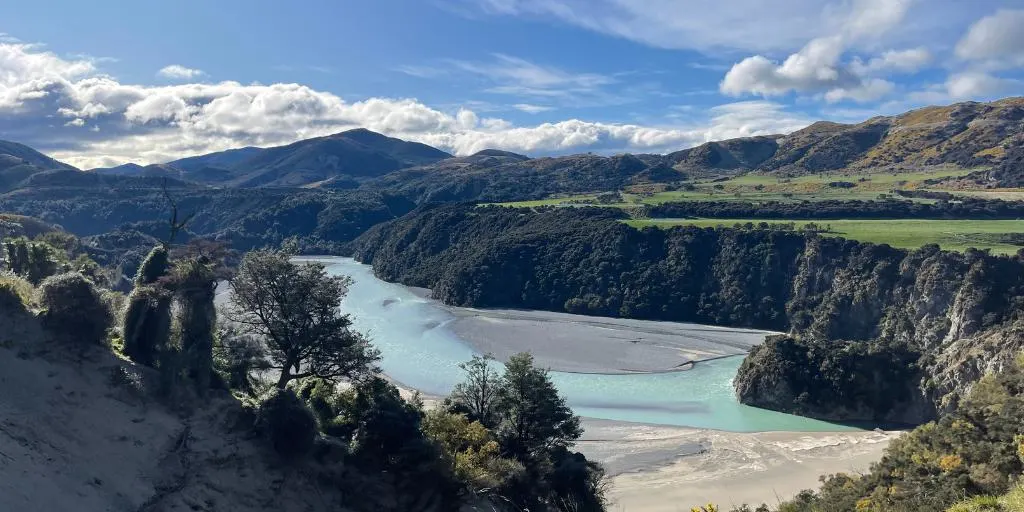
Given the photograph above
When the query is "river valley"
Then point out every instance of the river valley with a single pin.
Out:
(671, 434)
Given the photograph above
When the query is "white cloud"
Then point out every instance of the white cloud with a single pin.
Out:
(421, 71)
(973, 84)
(694, 24)
(749, 26)
(818, 68)
(531, 109)
(508, 75)
(531, 83)
(997, 40)
(906, 61)
(866, 91)
(177, 72)
(67, 108)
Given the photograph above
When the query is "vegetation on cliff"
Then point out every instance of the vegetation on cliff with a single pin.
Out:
(851, 299)
(975, 451)
(329, 412)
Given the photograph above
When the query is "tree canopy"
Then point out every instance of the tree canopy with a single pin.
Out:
(294, 308)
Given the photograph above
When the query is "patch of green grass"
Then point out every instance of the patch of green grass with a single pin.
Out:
(554, 201)
(761, 188)
(1010, 502)
(953, 235)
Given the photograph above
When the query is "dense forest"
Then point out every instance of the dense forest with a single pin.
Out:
(121, 218)
(498, 176)
(945, 318)
(961, 208)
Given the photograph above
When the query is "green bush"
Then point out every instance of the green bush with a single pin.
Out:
(33, 260)
(471, 451)
(74, 309)
(155, 266)
(287, 423)
(146, 324)
(15, 292)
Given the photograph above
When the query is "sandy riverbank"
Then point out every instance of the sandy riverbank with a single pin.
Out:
(655, 468)
(588, 344)
(667, 469)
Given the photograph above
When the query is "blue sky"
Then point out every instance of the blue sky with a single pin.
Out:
(105, 82)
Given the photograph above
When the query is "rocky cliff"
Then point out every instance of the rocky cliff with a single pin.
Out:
(929, 321)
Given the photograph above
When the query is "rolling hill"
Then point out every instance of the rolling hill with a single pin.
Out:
(967, 135)
(19, 163)
(486, 177)
(342, 160)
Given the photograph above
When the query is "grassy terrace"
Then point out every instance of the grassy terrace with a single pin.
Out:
(954, 235)
(1001, 236)
(757, 188)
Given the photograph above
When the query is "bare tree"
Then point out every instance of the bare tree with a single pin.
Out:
(173, 223)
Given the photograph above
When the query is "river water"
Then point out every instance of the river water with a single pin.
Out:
(420, 352)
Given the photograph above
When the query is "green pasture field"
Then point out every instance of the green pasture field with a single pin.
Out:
(1000, 236)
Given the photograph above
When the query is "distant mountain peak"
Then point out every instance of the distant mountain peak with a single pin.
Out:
(501, 153)
(357, 131)
(362, 135)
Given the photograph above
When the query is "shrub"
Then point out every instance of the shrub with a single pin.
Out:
(15, 292)
(287, 423)
(34, 260)
(236, 356)
(73, 309)
(154, 267)
(147, 324)
(471, 451)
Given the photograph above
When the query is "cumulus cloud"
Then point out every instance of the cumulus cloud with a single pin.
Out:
(906, 61)
(178, 72)
(750, 118)
(997, 40)
(68, 108)
(976, 84)
(818, 67)
(991, 45)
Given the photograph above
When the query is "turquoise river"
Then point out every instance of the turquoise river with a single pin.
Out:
(419, 352)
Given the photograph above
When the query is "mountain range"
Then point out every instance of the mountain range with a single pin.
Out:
(965, 134)
(987, 136)
(342, 160)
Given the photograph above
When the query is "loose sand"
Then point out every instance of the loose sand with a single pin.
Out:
(667, 469)
(588, 344)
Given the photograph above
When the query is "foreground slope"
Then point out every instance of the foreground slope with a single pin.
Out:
(84, 431)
